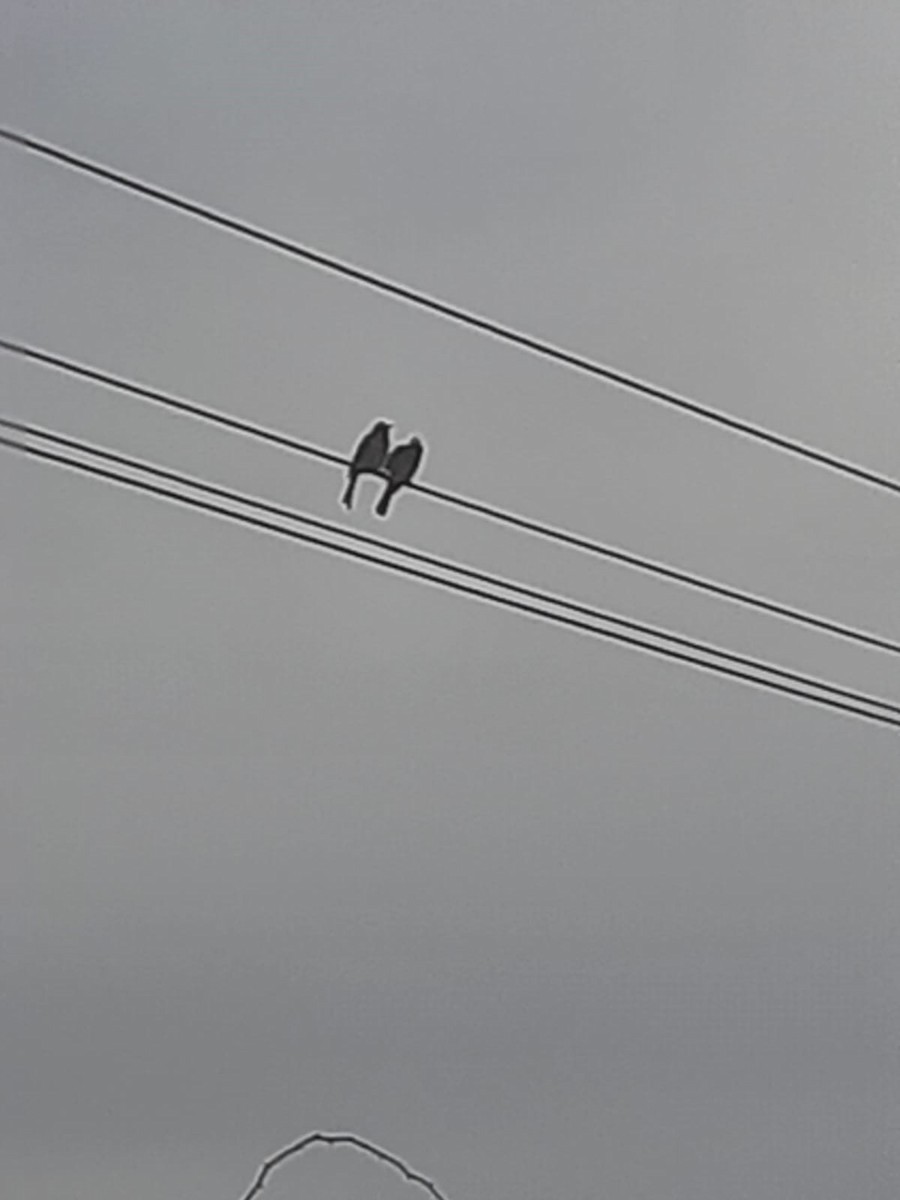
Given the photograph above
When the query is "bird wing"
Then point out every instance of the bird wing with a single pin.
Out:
(371, 451)
(402, 462)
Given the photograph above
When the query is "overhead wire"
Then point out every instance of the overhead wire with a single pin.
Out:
(850, 702)
(28, 429)
(538, 528)
(451, 312)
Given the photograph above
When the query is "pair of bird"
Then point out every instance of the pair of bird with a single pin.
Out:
(373, 456)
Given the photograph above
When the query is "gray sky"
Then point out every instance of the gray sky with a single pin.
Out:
(290, 844)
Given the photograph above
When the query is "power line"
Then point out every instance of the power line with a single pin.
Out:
(501, 516)
(451, 312)
(532, 610)
(175, 403)
(431, 560)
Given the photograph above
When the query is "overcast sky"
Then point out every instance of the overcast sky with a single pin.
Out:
(288, 843)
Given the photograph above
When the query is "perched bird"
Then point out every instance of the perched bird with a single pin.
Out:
(368, 458)
(399, 466)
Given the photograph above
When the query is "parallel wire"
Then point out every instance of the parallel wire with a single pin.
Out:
(501, 516)
(508, 602)
(451, 312)
(488, 577)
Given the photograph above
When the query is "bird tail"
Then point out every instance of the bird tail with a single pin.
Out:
(384, 502)
(347, 498)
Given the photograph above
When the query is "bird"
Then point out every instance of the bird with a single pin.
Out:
(399, 467)
(368, 458)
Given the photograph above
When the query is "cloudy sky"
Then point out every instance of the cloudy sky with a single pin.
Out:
(288, 843)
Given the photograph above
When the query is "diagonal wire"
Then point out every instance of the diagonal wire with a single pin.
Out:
(27, 429)
(501, 516)
(451, 312)
(453, 585)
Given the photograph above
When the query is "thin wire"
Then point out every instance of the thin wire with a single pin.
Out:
(431, 560)
(501, 516)
(342, 1139)
(451, 312)
(450, 584)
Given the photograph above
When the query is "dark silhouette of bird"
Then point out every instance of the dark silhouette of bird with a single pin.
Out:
(399, 466)
(368, 458)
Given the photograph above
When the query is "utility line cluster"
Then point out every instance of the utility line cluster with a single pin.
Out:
(453, 576)
(452, 312)
(799, 686)
(539, 528)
